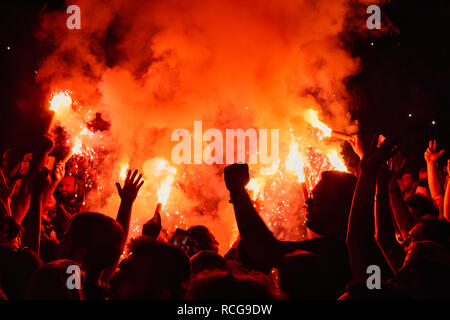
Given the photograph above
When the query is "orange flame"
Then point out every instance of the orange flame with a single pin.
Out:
(255, 186)
(336, 161)
(61, 101)
(168, 172)
(311, 116)
(76, 149)
(123, 169)
(295, 162)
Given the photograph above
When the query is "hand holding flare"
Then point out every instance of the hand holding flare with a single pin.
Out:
(312, 118)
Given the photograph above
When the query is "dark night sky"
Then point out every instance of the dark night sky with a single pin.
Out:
(402, 73)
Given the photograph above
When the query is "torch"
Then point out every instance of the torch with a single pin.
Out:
(254, 187)
(312, 118)
(60, 104)
(296, 164)
(340, 135)
(164, 191)
(76, 149)
(158, 208)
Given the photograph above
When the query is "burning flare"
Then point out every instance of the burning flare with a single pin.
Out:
(161, 168)
(164, 190)
(336, 161)
(295, 162)
(311, 116)
(255, 186)
(76, 149)
(124, 165)
(61, 102)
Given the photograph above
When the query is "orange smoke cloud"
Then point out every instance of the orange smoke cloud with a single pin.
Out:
(153, 66)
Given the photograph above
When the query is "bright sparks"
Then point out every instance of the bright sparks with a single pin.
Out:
(311, 116)
(295, 163)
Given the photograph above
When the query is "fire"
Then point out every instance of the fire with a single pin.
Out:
(255, 186)
(61, 101)
(311, 116)
(160, 168)
(124, 165)
(76, 149)
(336, 161)
(295, 162)
(164, 190)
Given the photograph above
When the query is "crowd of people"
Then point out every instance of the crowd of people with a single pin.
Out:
(384, 218)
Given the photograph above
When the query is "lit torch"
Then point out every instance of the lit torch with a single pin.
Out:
(312, 118)
(295, 163)
(335, 161)
(164, 191)
(123, 170)
(167, 172)
(254, 187)
(60, 104)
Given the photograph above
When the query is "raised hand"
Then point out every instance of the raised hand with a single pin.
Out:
(431, 154)
(131, 186)
(236, 176)
(60, 171)
(357, 146)
(152, 228)
(6, 189)
(376, 156)
(396, 164)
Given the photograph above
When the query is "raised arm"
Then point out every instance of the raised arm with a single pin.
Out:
(21, 203)
(152, 227)
(385, 227)
(32, 221)
(6, 191)
(434, 178)
(401, 213)
(128, 194)
(258, 240)
(447, 194)
(362, 248)
(58, 175)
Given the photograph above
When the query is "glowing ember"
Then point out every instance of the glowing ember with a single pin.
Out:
(311, 116)
(295, 162)
(336, 161)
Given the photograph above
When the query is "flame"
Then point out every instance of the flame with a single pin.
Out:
(124, 165)
(311, 116)
(164, 169)
(255, 186)
(336, 161)
(164, 190)
(61, 101)
(76, 149)
(295, 162)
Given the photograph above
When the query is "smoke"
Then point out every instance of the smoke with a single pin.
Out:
(153, 66)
